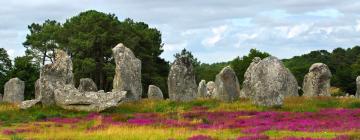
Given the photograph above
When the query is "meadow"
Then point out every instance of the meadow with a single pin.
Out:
(323, 118)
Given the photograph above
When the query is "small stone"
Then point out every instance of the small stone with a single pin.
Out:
(14, 91)
(202, 91)
(227, 85)
(181, 80)
(210, 87)
(317, 81)
(155, 93)
(87, 84)
(29, 103)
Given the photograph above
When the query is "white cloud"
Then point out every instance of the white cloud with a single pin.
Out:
(357, 26)
(216, 37)
(297, 30)
(174, 46)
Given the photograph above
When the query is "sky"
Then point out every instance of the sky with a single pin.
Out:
(213, 30)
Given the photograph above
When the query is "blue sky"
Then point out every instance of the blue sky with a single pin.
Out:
(213, 30)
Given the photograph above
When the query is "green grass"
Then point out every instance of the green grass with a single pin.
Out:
(11, 114)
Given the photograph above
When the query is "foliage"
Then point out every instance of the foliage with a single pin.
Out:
(240, 65)
(5, 67)
(43, 40)
(89, 37)
(343, 63)
(28, 72)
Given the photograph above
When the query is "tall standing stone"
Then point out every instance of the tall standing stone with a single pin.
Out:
(87, 84)
(227, 85)
(267, 82)
(37, 89)
(155, 92)
(202, 91)
(181, 80)
(54, 76)
(358, 87)
(127, 72)
(317, 81)
(14, 91)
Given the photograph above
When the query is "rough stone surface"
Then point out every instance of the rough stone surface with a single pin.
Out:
(1, 96)
(54, 76)
(227, 85)
(358, 87)
(127, 72)
(29, 103)
(87, 84)
(155, 92)
(210, 88)
(181, 80)
(14, 91)
(202, 91)
(71, 98)
(317, 81)
(267, 82)
(37, 89)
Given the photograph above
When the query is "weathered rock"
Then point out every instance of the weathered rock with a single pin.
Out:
(1, 96)
(71, 98)
(127, 72)
(14, 91)
(29, 103)
(87, 84)
(358, 87)
(227, 85)
(155, 93)
(54, 76)
(181, 80)
(267, 82)
(210, 88)
(202, 91)
(37, 89)
(317, 81)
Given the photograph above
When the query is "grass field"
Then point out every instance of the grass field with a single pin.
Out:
(299, 118)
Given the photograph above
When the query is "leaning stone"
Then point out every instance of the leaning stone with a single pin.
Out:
(317, 81)
(127, 72)
(267, 82)
(227, 85)
(87, 84)
(29, 103)
(155, 93)
(14, 91)
(55, 76)
(71, 98)
(181, 80)
(202, 91)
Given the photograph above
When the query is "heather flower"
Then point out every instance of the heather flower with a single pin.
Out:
(254, 137)
(200, 137)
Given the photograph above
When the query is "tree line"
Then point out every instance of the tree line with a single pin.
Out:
(89, 37)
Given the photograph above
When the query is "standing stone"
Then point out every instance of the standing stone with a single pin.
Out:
(54, 76)
(1, 98)
(87, 84)
(317, 81)
(155, 93)
(14, 91)
(202, 91)
(37, 89)
(181, 80)
(127, 72)
(358, 87)
(267, 82)
(210, 88)
(227, 85)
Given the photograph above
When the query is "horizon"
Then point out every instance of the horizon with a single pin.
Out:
(213, 31)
